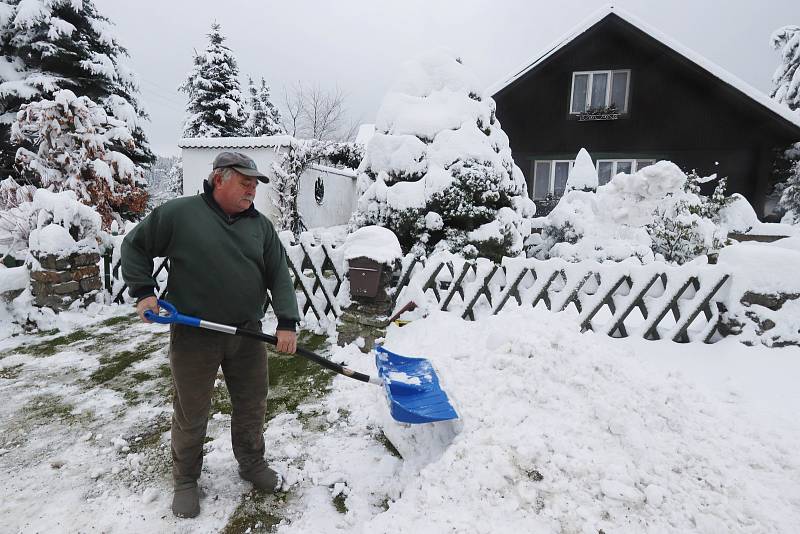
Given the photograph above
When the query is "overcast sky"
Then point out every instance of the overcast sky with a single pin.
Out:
(358, 44)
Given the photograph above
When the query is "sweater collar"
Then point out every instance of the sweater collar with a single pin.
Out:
(208, 196)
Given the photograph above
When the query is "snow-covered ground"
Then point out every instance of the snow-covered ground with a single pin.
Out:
(558, 432)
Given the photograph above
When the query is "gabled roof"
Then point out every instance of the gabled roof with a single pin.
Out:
(268, 141)
(609, 10)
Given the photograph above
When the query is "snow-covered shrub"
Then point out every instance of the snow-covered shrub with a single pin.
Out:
(72, 138)
(654, 213)
(438, 172)
(31, 224)
(582, 175)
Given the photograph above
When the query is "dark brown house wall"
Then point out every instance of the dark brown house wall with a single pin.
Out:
(676, 111)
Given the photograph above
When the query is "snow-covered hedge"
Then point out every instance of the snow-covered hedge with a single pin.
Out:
(653, 214)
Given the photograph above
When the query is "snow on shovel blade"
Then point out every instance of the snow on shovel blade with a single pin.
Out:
(412, 388)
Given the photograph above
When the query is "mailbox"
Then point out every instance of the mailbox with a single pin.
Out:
(365, 276)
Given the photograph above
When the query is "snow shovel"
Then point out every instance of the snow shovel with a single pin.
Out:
(411, 385)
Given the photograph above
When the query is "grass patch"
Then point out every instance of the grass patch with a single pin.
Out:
(119, 320)
(52, 346)
(112, 366)
(340, 502)
(150, 437)
(257, 512)
(49, 408)
(383, 440)
(11, 372)
(221, 399)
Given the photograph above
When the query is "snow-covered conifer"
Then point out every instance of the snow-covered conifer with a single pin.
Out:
(49, 45)
(73, 138)
(438, 172)
(787, 76)
(790, 199)
(215, 107)
(583, 175)
(263, 117)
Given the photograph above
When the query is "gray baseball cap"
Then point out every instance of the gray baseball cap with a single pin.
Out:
(240, 163)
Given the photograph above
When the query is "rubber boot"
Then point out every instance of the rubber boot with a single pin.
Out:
(186, 500)
(262, 477)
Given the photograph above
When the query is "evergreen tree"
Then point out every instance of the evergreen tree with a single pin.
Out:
(49, 45)
(263, 117)
(790, 199)
(438, 172)
(74, 141)
(787, 76)
(215, 107)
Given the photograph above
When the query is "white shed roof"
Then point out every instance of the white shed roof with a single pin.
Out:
(271, 141)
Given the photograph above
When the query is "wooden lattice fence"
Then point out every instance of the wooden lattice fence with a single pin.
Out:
(318, 272)
(654, 301)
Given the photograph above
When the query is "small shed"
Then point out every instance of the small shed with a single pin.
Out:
(327, 195)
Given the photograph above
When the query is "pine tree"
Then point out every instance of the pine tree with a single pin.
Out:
(74, 141)
(215, 107)
(438, 172)
(49, 45)
(790, 199)
(263, 117)
(787, 76)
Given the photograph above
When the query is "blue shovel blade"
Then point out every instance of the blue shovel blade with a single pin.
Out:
(412, 388)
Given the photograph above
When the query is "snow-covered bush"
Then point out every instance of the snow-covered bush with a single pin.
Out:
(582, 175)
(438, 172)
(72, 138)
(215, 107)
(54, 223)
(655, 213)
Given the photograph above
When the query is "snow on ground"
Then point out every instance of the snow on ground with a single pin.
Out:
(558, 432)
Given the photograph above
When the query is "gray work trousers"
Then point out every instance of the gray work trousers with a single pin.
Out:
(195, 355)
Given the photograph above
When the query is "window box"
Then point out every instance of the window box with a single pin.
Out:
(610, 113)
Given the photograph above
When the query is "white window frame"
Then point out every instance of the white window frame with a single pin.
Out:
(636, 164)
(552, 178)
(609, 80)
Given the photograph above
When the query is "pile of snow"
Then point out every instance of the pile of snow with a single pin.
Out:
(374, 242)
(738, 215)
(13, 279)
(558, 432)
(611, 224)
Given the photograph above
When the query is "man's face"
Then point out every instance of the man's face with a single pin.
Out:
(236, 194)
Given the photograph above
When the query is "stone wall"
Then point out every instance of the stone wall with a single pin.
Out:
(60, 281)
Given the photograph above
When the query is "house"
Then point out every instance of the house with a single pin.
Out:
(326, 197)
(631, 96)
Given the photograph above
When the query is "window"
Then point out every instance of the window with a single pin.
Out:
(608, 168)
(600, 89)
(550, 177)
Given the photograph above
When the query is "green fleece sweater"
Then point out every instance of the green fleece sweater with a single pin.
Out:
(220, 267)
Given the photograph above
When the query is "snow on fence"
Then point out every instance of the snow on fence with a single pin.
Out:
(655, 301)
(318, 272)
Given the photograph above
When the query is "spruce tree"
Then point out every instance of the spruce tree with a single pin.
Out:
(787, 76)
(790, 199)
(263, 117)
(49, 45)
(215, 107)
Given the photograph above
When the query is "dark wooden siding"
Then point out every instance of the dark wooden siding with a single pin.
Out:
(676, 111)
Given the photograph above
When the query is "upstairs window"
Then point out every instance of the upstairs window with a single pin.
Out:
(599, 89)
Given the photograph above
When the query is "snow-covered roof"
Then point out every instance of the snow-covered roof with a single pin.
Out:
(689, 54)
(269, 141)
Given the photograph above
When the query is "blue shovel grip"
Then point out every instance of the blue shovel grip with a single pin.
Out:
(172, 315)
